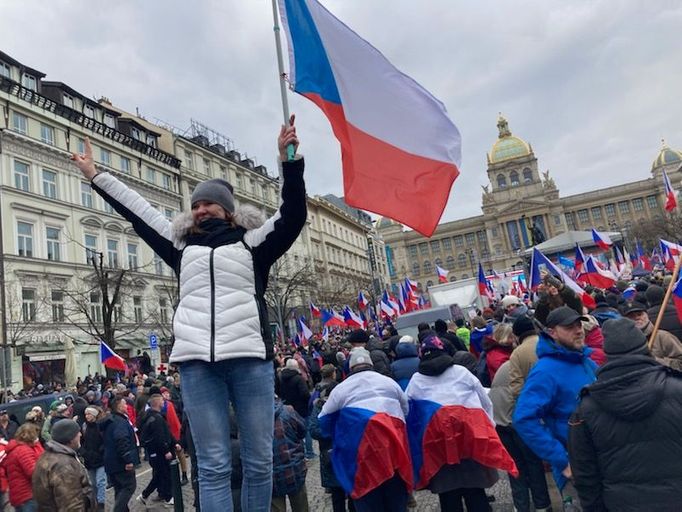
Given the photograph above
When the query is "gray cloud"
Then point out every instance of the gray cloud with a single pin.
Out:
(592, 86)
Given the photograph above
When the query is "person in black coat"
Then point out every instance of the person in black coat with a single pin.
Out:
(293, 388)
(157, 439)
(441, 329)
(92, 452)
(624, 438)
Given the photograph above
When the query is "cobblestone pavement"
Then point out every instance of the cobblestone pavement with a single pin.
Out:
(318, 500)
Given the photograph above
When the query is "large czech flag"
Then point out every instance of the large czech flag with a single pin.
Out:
(111, 359)
(450, 420)
(395, 136)
(364, 416)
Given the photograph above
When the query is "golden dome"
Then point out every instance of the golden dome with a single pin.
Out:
(507, 146)
(667, 156)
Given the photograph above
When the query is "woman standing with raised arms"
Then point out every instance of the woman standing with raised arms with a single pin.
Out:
(222, 256)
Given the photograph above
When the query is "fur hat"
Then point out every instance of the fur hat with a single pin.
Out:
(92, 410)
(358, 336)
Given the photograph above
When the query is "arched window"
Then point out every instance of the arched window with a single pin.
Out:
(415, 269)
(462, 260)
(501, 181)
(438, 262)
(527, 175)
(514, 178)
(450, 263)
(453, 279)
(429, 284)
(465, 276)
(427, 267)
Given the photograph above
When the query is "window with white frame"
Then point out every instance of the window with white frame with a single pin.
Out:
(240, 182)
(163, 310)
(169, 212)
(57, 297)
(151, 140)
(91, 249)
(80, 145)
(125, 165)
(88, 111)
(25, 239)
(223, 172)
(137, 308)
(5, 70)
(105, 156)
(86, 194)
(67, 100)
(151, 175)
(19, 123)
(109, 120)
(53, 246)
(112, 253)
(47, 134)
(158, 265)
(29, 81)
(108, 208)
(135, 133)
(166, 181)
(189, 160)
(207, 167)
(28, 305)
(21, 175)
(49, 184)
(132, 256)
(95, 307)
(118, 312)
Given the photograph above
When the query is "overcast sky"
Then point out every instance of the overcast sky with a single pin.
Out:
(593, 86)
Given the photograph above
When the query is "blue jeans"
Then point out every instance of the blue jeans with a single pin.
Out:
(27, 506)
(207, 389)
(98, 479)
(309, 450)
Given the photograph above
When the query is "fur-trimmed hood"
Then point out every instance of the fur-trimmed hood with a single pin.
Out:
(246, 216)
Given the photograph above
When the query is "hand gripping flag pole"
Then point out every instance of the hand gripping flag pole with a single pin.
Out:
(291, 151)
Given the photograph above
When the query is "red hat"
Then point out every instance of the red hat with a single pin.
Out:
(164, 390)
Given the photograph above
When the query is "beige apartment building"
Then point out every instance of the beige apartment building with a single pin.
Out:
(53, 227)
(517, 198)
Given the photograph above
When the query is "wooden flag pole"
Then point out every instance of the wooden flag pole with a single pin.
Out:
(668, 292)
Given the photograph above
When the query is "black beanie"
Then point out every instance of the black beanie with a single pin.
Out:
(522, 325)
(64, 431)
(623, 337)
(654, 295)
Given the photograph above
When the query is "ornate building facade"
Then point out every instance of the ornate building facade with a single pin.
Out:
(521, 206)
(53, 227)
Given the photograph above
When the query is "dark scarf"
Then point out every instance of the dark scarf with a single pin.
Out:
(215, 232)
(434, 363)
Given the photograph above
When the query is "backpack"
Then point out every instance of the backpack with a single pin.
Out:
(481, 370)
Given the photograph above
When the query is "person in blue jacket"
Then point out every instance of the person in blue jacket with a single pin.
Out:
(550, 394)
(406, 361)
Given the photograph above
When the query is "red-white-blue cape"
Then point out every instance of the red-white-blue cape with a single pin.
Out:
(450, 420)
(365, 417)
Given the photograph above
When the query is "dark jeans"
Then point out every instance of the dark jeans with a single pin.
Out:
(475, 499)
(124, 483)
(391, 496)
(161, 478)
(339, 500)
(531, 472)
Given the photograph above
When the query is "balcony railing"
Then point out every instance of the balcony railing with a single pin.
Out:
(21, 92)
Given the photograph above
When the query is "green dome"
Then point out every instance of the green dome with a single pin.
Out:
(667, 156)
(507, 146)
(385, 222)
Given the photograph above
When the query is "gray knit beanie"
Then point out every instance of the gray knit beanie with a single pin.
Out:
(623, 337)
(216, 191)
(64, 431)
